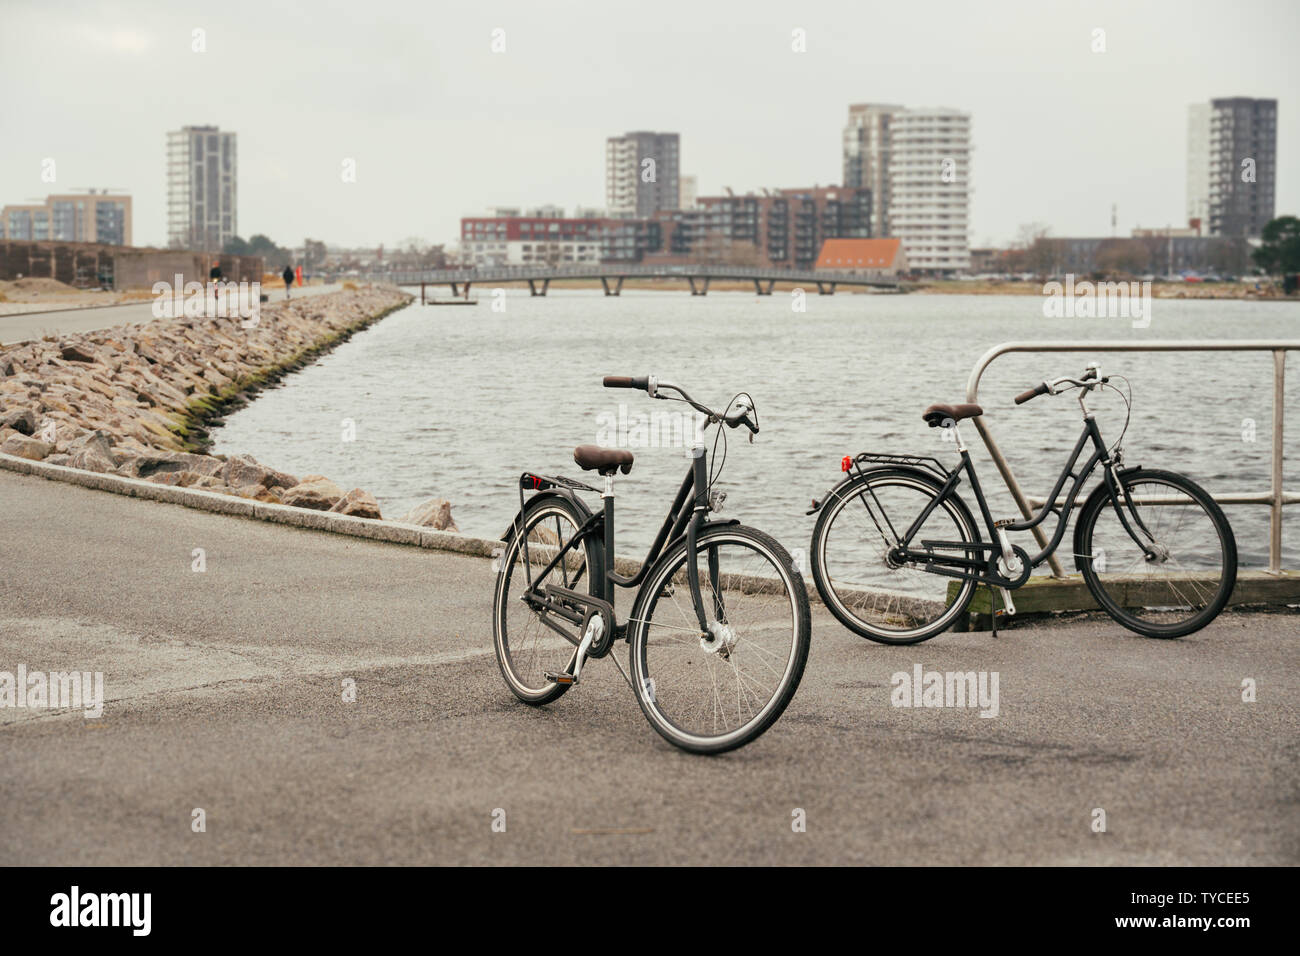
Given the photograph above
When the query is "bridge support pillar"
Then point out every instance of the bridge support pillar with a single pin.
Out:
(702, 289)
(825, 288)
(454, 290)
(532, 286)
(758, 287)
(467, 285)
(618, 286)
(421, 293)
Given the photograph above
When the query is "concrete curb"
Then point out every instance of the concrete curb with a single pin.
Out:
(388, 531)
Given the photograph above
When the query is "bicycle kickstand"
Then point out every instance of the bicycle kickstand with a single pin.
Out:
(1008, 609)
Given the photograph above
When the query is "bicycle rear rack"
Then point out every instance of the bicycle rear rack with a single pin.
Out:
(915, 461)
(530, 482)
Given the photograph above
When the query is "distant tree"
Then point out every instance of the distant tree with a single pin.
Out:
(741, 253)
(1033, 251)
(1121, 257)
(713, 247)
(1043, 258)
(435, 257)
(235, 246)
(260, 245)
(1029, 233)
(1229, 257)
(1279, 252)
(314, 254)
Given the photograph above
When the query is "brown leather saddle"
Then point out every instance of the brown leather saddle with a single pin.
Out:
(604, 461)
(938, 416)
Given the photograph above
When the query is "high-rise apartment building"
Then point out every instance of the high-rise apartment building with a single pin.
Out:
(866, 156)
(916, 164)
(201, 188)
(641, 174)
(94, 216)
(1232, 165)
(929, 188)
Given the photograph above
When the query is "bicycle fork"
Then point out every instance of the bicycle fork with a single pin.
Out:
(715, 635)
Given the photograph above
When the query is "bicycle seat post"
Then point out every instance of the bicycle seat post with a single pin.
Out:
(956, 437)
(607, 499)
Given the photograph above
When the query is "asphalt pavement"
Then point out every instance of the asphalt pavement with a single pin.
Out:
(225, 693)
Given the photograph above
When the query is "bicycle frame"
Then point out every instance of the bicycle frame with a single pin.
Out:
(686, 516)
(987, 570)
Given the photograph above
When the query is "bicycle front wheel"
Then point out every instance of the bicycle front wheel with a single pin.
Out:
(1192, 575)
(716, 693)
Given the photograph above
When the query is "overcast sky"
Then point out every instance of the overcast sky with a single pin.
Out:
(440, 126)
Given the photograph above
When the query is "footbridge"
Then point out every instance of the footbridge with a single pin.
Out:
(612, 276)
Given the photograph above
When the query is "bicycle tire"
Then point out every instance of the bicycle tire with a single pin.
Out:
(659, 584)
(1116, 595)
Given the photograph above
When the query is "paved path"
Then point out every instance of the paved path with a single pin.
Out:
(225, 693)
(24, 327)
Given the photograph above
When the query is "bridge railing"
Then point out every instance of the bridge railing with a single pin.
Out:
(631, 270)
(1275, 497)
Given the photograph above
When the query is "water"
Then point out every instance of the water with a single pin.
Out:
(456, 402)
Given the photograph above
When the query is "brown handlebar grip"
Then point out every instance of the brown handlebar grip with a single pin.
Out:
(626, 381)
(1039, 389)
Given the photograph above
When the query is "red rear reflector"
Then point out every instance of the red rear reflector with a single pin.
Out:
(846, 464)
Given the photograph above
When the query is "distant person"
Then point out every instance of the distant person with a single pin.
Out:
(288, 279)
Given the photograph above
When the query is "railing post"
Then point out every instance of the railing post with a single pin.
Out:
(1275, 519)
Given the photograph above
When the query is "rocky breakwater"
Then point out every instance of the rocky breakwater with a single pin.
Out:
(134, 400)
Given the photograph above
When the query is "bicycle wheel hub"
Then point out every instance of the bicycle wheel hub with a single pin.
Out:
(720, 639)
(1157, 553)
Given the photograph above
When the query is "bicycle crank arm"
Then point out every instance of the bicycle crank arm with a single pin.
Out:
(574, 671)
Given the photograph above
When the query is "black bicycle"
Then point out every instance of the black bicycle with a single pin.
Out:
(1154, 548)
(719, 628)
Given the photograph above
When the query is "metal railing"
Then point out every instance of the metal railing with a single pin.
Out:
(1275, 497)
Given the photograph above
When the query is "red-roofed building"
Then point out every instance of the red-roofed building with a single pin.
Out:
(884, 257)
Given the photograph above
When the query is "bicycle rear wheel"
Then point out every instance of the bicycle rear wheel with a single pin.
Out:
(863, 585)
(1190, 580)
(526, 647)
(716, 694)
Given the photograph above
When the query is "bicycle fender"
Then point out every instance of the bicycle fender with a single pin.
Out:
(566, 494)
(716, 523)
(817, 503)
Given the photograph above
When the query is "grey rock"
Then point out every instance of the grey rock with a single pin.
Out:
(358, 503)
(20, 446)
(19, 419)
(434, 513)
(314, 491)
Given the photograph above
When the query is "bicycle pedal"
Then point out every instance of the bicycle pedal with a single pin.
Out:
(560, 678)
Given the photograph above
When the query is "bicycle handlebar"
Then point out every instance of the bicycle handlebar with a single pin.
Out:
(738, 415)
(1092, 378)
(1040, 389)
(627, 381)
